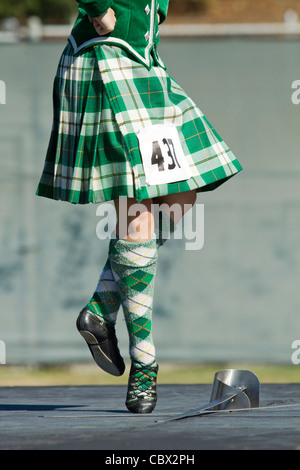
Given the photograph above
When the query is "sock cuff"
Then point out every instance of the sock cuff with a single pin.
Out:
(133, 253)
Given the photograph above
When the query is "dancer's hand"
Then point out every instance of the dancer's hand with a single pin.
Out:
(105, 23)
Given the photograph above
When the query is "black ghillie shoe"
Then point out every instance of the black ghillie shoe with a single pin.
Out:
(102, 342)
(142, 395)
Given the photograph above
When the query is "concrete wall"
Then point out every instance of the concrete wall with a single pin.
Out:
(238, 298)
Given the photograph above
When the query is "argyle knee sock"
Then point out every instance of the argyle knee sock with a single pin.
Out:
(106, 301)
(134, 267)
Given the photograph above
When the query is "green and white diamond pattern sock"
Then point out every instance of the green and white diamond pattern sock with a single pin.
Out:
(106, 301)
(134, 268)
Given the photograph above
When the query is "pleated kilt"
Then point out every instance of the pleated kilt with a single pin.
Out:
(102, 99)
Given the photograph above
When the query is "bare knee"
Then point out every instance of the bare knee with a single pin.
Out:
(189, 198)
(135, 220)
(177, 205)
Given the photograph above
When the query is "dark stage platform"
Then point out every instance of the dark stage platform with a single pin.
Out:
(95, 417)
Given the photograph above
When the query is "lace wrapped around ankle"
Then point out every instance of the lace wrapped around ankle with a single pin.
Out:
(142, 394)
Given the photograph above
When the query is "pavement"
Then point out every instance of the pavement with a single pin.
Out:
(95, 418)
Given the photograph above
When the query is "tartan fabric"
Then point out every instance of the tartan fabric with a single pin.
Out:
(102, 98)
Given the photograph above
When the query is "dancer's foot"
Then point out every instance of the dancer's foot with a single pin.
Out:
(102, 342)
(142, 395)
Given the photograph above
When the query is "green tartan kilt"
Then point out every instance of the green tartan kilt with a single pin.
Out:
(102, 98)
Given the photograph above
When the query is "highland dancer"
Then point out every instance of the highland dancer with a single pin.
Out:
(123, 127)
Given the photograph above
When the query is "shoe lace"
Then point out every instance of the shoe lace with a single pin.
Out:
(143, 381)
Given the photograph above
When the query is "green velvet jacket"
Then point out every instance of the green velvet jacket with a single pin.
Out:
(136, 29)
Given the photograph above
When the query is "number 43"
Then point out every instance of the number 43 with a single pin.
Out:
(157, 156)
